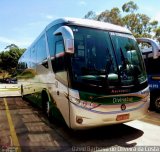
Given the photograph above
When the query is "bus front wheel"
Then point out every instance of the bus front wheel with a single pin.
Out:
(157, 104)
(22, 91)
(45, 104)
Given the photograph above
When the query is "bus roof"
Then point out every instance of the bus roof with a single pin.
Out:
(89, 23)
(85, 23)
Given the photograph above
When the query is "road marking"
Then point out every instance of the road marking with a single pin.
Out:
(12, 129)
(56, 143)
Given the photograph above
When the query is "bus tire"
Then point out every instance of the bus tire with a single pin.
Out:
(22, 92)
(157, 104)
(45, 103)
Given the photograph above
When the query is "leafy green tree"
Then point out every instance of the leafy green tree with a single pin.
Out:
(154, 24)
(139, 24)
(157, 33)
(129, 7)
(11, 46)
(9, 58)
(112, 16)
(90, 15)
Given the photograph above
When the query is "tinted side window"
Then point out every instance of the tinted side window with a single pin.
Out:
(59, 54)
(51, 39)
(21, 65)
(60, 70)
(24, 61)
(59, 47)
(41, 52)
(33, 57)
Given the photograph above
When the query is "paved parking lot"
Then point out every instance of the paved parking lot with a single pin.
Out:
(25, 127)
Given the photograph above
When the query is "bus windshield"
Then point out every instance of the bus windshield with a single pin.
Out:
(105, 58)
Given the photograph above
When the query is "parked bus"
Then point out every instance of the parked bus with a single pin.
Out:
(151, 54)
(91, 72)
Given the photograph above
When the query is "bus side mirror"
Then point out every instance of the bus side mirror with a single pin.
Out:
(155, 47)
(68, 38)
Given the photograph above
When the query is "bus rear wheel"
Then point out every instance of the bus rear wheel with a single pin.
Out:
(157, 104)
(22, 92)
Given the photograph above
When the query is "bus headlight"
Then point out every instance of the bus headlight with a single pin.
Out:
(84, 104)
(74, 100)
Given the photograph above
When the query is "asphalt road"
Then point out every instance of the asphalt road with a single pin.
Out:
(24, 127)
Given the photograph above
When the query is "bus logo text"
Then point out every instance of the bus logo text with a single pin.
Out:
(121, 100)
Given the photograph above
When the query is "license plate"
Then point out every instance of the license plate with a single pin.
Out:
(122, 117)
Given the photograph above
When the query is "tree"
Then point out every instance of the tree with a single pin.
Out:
(90, 15)
(9, 58)
(11, 46)
(154, 24)
(129, 7)
(157, 34)
(112, 16)
(139, 24)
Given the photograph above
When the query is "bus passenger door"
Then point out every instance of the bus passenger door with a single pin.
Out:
(61, 79)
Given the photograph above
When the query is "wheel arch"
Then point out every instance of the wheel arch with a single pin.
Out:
(45, 94)
(54, 111)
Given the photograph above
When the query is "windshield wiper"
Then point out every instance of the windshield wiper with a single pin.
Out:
(124, 64)
(129, 67)
(107, 68)
(109, 63)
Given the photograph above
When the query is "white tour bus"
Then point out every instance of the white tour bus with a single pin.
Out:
(89, 72)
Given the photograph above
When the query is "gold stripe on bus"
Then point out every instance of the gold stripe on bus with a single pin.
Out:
(156, 78)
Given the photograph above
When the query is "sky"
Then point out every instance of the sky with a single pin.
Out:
(21, 21)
